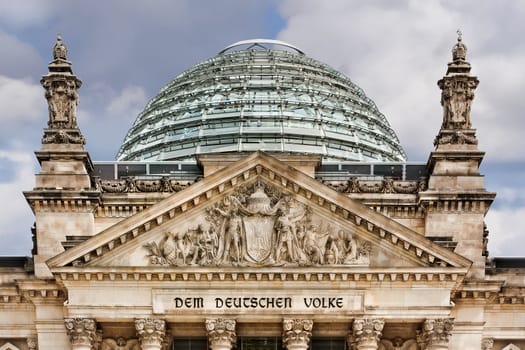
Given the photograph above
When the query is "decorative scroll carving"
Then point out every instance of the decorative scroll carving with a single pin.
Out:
(151, 332)
(435, 332)
(297, 333)
(130, 184)
(260, 226)
(398, 344)
(365, 333)
(120, 344)
(221, 333)
(487, 343)
(82, 332)
(32, 343)
(455, 137)
(386, 185)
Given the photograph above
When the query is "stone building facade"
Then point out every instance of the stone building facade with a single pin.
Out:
(261, 250)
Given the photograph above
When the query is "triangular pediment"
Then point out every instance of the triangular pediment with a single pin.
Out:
(258, 212)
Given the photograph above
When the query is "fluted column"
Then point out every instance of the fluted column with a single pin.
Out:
(487, 343)
(435, 334)
(151, 333)
(221, 333)
(297, 333)
(82, 333)
(366, 333)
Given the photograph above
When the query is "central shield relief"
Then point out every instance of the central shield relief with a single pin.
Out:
(259, 236)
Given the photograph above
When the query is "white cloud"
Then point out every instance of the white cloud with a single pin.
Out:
(16, 237)
(129, 102)
(396, 51)
(20, 100)
(26, 13)
(506, 231)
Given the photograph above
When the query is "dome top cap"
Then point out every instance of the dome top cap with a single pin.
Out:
(266, 44)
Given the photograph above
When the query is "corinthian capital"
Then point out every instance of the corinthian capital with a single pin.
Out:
(487, 343)
(82, 332)
(366, 333)
(435, 333)
(151, 332)
(297, 333)
(32, 343)
(221, 333)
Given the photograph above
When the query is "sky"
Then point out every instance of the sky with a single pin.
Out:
(125, 51)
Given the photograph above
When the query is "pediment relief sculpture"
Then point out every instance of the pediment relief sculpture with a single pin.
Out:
(260, 226)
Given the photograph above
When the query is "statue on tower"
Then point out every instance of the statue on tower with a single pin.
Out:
(61, 87)
(457, 90)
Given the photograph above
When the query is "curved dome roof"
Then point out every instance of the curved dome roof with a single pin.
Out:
(261, 95)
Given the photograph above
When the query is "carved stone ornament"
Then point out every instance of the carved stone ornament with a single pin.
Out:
(82, 332)
(455, 137)
(387, 185)
(487, 343)
(366, 333)
(120, 344)
(61, 86)
(398, 344)
(130, 184)
(259, 226)
(221, 333)
(151, 332)
(297, 333)
(457, 90)
(435, 332)
(32, 343)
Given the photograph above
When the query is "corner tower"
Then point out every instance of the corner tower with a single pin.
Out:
(456, 199)
(62, 199)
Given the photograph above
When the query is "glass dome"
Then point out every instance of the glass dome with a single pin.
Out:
(261, 95)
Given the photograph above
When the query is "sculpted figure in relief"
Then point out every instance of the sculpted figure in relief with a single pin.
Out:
(259, 226)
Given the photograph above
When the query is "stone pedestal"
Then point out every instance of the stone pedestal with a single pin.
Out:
(151, 333)
(82, 333)
(221, 333)
(435, 334)
(297, 333)
(366, 334)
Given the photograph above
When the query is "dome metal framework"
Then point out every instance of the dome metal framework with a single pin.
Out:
(261, 95)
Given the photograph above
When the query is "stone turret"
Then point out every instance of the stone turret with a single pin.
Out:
(456, 199)
(63, 200)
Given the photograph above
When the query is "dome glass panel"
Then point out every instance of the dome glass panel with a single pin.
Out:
(261, 95)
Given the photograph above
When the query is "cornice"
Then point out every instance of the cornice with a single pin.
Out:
(276, 173)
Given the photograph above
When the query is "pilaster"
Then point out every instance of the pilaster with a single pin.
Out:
(221, 333)
(297, 333)
(82, 333)
(435, 334)
(151, 333)
(365, 333)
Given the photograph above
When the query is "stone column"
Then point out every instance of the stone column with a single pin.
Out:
(82, 333)
(297, 333)
(221, 333)
(435, 334)
(366, 333)
(151, 333)
(487, 343)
